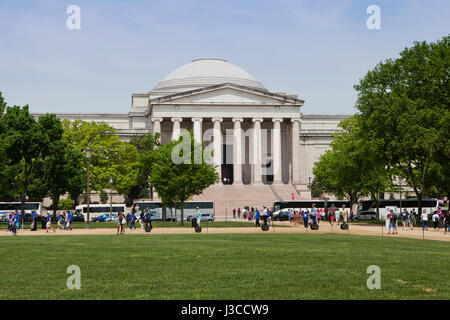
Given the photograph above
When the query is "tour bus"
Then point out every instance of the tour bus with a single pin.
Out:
(96, 210)
(7, 207)
(156, 209)
(366, 207)
(327, 205)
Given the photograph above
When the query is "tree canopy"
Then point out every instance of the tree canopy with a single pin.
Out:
(176, 181)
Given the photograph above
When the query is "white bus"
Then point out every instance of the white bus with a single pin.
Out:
(96, 210)
(367, 208)
(7, 207)
(156, 209)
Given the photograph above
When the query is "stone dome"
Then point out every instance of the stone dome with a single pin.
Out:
(206, 72)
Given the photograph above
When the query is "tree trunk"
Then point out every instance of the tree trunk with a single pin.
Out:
(55, 200)
(182, 212)
(419, 200)
(164, 213)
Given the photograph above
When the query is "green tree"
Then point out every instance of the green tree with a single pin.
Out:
(61, 168)
(404, 110)
(146, 146)
(180, 171)
(26, 144)
(111, 157)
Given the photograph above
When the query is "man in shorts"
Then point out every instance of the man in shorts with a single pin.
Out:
(405, 216)
(393, 223)
(48, 225)
(337, 213)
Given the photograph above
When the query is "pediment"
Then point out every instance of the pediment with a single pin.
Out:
(227, 94)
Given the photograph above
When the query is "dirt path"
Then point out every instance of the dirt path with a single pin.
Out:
(355, 229)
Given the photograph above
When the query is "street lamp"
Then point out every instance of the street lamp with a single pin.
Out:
(110, 198)
(88, 153)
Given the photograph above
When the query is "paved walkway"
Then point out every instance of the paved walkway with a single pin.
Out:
(325, 227)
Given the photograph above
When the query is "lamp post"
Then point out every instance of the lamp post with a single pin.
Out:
(110, 198)
(88, 152)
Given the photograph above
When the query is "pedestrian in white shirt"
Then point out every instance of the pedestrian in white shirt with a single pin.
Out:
(424, 217)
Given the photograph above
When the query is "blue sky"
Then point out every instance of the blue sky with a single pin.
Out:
(316, 49)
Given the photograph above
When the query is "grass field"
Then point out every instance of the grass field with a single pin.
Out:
(221, 266)
(156, 224)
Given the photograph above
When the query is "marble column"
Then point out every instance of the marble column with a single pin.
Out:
(157, 126)
(176, 131)
(217, 145)
(197, 129)
(276, 150)
(257, 172)
(237, 151)
(295, 139)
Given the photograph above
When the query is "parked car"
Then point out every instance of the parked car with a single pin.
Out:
(365, 216)
(106, 217)
(205, 217)
(281, 216)
(77, 217)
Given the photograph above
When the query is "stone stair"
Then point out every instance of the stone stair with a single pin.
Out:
(228, 197)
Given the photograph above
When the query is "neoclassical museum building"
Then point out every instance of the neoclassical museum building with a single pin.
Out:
(264, 147)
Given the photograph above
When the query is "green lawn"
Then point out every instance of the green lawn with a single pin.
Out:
(221, 266)
(156, 224)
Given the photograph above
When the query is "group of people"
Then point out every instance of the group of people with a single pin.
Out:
(144, 218)
(409, 220)
(340, 216)
(15, 221)
(253, 213)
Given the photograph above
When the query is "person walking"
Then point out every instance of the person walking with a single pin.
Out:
(61, 219)
(305, 217)
(344, 214)
(337, 213)
(18, 221)
(69, 221)
(292, 196)
(234, 213)
(314, 214)
(141, 219)
(33, 226)
(48, 224)
(148, 218)
(447, 222)
(239, 213)
(199, 216)
(424, 218)
(121, 224)
(132, 221)
(412, 219)
(257, 218)
(436, 219)
(12, 224)
(393, 223)
(405, 216)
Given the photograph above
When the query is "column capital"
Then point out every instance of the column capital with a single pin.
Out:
(277, 120)
(217, 119)
(237, 120)
(176, 119)
(295, 120)
(196, 119)
(157, 119)
(257, 120)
